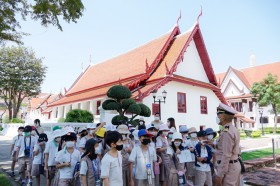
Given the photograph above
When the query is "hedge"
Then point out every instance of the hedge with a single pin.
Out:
(256, 134)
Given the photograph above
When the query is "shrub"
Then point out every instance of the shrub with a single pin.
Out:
(1, 128)
(16, 120)
(61, 120)
(78, 115)
(119, 92)
(116, 119)
(256, 134)
(6, 119)
(243, 134)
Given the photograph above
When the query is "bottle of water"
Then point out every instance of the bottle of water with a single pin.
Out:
(149, 173)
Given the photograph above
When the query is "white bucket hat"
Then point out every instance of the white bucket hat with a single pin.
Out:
(57, 133)
(135, 134)
(66, 130)
(123, 129)
(177, 135)
(163, 127)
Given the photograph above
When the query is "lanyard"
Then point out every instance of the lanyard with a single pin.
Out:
(93, 169)
(145, 156)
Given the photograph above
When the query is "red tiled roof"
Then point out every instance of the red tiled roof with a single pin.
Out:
(48, 110)
(130, 64)
(254, 74)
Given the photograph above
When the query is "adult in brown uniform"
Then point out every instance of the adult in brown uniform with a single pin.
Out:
(228, 168)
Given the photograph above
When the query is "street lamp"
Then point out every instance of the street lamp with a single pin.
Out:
(261, 118)
(158, 99)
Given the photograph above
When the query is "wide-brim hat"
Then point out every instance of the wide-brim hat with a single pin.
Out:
(192, 130)
(210, 131)
(101, 132)
(225, 109)
(57, 133)
(201, 133)
(163, 127)
(177, 135)
(183, 128)
(66, 130)
(123, 129)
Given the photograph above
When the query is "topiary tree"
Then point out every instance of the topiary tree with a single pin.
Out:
(120, 100)
(80, 116)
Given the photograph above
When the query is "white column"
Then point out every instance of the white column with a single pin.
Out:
(91, 106)
(60, 112)
(75, 106)
(66, 110)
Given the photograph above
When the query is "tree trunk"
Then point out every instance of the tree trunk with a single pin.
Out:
(275, 124)
(10, 113)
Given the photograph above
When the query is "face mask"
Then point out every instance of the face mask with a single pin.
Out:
(156, 118)
(27, 134)
(165, 133)
(218, 121)
(210, 137)
(119, 147)
(193, 135)
(97, 150)
(70, 144)
(168, 124)
(57, 139)
(91, 132)
(170, 136)
(20, 133)
(124, 137)
(177, 143)
(202, 142)
(146, 141)
(141, 122)
(154, 133)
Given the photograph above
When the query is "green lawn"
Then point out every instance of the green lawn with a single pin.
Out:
(4, 180)
(258, 154)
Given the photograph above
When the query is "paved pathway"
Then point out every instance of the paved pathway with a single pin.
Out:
(5, 159)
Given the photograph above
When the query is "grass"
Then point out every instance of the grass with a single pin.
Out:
(258, 154)
(4, 180)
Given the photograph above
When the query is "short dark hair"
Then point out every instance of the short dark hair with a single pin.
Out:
(157, 113)
(112, 137)
(21, 128)
(37, 121)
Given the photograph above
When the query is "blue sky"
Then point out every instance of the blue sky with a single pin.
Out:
(232, 31)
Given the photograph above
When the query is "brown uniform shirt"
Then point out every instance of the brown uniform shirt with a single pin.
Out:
(227, 148)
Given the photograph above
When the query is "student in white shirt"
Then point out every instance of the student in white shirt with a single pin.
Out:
(90, 164)
(191, 143)
(25, 153)
(143, 157)
(50, 152)
(39, 157)
(111, 164)
(67, 159)
(14, 148)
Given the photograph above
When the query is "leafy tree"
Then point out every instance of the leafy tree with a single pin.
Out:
(121, 102)
(78, 115)
(21, 76)
(268, 93)
(46, 11)
(3, 109)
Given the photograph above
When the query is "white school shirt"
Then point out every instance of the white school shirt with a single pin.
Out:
(52, 150)
(137, 156)
(38, 158)
(192, 143)
(203, 166)
(20, 144)
(159, 142)
(63, 156)
(111, 168)
(15, 140)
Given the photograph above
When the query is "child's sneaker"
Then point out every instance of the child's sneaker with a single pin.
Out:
(12, 174)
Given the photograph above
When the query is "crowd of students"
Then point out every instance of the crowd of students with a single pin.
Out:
(150, 154)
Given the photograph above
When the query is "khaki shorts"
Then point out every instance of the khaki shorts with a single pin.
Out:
(66, 182)
(35, 171)
(203, 177)
(51, 172)
(24, 162)
(191, 169)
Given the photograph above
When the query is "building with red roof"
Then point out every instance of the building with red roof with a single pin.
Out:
(175, 62)
(236, 84)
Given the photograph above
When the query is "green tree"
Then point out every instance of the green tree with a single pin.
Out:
(78, 115)
(268, 93)
(120, 101)
(21, 76)
(45, 11)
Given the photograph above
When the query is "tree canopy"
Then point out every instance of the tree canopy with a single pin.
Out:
(22, 74)
(268, 93)
(121, 101)
(46, 11)
(81, 116)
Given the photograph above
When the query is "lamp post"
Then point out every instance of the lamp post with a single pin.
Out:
(158, 99)
(261, 119)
